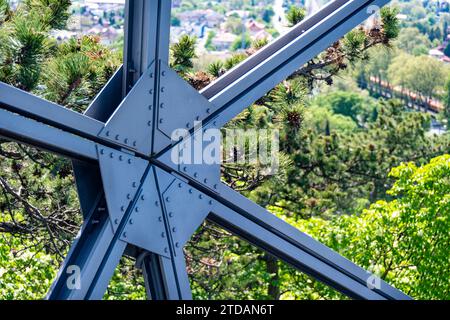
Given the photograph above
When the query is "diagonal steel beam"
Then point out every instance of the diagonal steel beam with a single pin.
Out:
(253, 223)
(254, 77)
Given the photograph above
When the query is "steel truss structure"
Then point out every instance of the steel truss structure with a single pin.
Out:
(135, 200)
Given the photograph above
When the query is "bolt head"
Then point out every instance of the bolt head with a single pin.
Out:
(116, 221)
(124, 234)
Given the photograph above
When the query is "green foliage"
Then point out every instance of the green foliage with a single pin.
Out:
(53, 13)
(354, 43)
(295, 15)
(208, 43)
(259, 43)
(216, 68)
(412, 40)
(447, 101)
(77, 72)
(26, 272)
(234, 60)
(4, 11)
(404, 241)
(349, 104)
(336, 152)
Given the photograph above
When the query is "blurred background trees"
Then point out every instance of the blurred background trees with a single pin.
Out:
(336, 180)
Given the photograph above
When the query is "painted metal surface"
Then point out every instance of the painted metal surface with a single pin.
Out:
(136, 196)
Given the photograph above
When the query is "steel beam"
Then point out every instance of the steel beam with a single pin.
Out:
(138, 198)
(91, 260)
(34, 133)
(253, 78)
(253, 223)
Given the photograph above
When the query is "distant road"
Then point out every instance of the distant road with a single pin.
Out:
(279, 19)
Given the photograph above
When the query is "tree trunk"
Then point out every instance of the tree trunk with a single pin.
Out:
(274, 286)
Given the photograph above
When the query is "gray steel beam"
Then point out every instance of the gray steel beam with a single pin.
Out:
(103, 238)
(91, 260)
(49, 113)
(253, 78)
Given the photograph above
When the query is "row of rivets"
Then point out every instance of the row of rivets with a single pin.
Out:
(121, 158)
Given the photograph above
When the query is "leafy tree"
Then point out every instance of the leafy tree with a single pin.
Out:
(412, 40)
(403, 241)
(349, 104)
